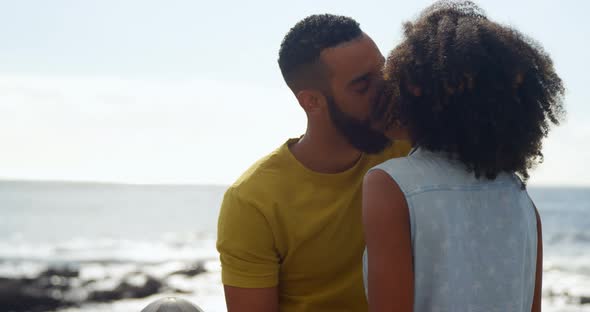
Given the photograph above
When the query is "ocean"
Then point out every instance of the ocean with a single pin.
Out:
(112, 247)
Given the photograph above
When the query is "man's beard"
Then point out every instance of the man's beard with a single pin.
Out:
(358, 133)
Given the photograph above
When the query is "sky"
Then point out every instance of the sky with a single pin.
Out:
(173, 91)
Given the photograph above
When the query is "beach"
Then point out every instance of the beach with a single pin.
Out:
(82, 247)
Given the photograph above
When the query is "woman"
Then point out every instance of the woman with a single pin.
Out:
(451, 227)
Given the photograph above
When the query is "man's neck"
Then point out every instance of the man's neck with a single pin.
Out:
(325, 154)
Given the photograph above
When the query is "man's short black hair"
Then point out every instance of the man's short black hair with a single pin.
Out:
(300, 50)
(467, 86)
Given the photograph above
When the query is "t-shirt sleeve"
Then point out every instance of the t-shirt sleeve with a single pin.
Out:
(246, 244)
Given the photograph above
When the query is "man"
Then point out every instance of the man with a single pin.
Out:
(290, 232)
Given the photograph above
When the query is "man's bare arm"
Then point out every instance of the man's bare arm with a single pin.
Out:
(251, 299)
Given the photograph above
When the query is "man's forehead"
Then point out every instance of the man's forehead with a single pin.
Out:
(352, 57)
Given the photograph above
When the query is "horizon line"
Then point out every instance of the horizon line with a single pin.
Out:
(106, 183)
(184, 184)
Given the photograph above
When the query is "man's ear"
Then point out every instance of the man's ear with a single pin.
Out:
(311, 101)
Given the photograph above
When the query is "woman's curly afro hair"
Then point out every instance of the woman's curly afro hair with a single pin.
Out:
(479, 91)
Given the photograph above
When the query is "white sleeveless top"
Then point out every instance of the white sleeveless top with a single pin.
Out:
(474, 242)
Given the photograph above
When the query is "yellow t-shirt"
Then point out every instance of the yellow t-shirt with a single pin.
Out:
(283, 225)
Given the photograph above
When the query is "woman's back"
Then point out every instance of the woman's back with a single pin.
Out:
(474, 241)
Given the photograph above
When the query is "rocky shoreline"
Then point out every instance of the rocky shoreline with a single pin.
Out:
(74, 286)
(567, 297)
(65, 286)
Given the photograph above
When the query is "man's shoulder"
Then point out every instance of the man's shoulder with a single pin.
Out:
(263, 176)
(397, 149)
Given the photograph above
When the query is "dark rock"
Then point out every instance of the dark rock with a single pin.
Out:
(58, 288)
(127, 290)
(24, 295)
(150, 287)
(103, 295)
(584, 300)
(88, 283)
(178, 291)
(191, 271)
(65, 272)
